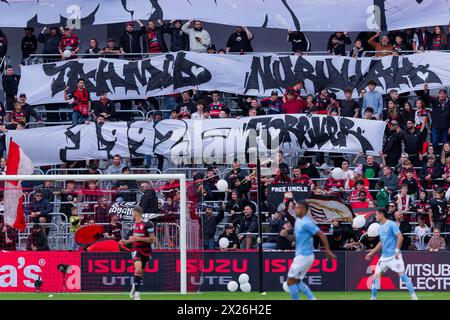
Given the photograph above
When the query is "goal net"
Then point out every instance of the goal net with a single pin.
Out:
(47, 257)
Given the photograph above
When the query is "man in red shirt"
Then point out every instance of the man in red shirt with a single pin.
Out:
(299, 177)
(155, 38)
(69, 41)
(293, 104)
(81, 103)
(215, 106)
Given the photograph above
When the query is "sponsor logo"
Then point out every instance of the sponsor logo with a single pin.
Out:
(365, 283)
(20, 270)
(283, 265)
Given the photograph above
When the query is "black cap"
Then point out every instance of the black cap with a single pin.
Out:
(22, 95)
(111, 39)
(440, 190)
(274, 93)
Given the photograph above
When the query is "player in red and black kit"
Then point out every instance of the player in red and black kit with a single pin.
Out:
(141, 236)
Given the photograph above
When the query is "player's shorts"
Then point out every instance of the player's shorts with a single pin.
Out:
(300, 266)
(137, 256)
(385, 263)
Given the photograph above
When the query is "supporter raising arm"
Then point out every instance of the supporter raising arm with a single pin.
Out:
(199, 38)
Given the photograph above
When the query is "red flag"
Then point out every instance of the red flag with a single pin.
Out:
(18, 163)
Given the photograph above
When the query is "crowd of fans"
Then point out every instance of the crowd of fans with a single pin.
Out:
(409, 177)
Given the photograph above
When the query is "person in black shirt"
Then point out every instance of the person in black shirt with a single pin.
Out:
(411, 139)
(240, 41)
(104, 107)
(3, 45)
(248, 224)
(404, 227)
(230, 234)
(393, 146)
(358, 50)
(29, 44)
(37, 240)
(308, 168)
(285, 240)
(349, 107)
(186, 105)
(126, 188)
(111, 48)
(300, 42)
(440, 116)
(369, 243)
(50, 40)
(114, 229)
(179, 41)
(10, 82)
(336, 43)
(129, 40)
(93, 48)
(276, 222)
(209, 224)
(437, 211)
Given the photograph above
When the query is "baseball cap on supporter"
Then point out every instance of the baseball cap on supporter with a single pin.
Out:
(440, 190)
(111, 40)
(22, 95)
(274, 93)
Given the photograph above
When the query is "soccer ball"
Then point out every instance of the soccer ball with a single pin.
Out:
(222, 185)
(67, 53)
(243, 278)
(358, 222)
(246, 287)
(373, 230)
(232, 286)
(223, 243)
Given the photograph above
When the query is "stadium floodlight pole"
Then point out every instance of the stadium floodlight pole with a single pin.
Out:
(121, 177)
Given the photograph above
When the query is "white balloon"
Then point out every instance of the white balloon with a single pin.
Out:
(243, 278)
(222, 185)
(232, 286)
(373, 230)
(358, 222)
(337, 173)
(67, 53)
(223, 243)
(246, 287)
(285, 287)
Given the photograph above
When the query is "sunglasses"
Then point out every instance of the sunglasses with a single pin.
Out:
(38, 195)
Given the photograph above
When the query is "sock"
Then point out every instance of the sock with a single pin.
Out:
(306, 290)
(293, 290)
(375, 284)
(409, 285)
(137, 282)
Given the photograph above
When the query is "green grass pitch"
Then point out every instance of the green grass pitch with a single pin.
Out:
(223, 296)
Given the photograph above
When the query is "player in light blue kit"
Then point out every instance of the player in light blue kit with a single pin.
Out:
(391, 258)
(304, 231)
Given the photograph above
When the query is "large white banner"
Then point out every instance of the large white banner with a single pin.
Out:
(213, 140)
(306, 15)
(251, 75)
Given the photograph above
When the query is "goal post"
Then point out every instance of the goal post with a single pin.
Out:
(137, 177)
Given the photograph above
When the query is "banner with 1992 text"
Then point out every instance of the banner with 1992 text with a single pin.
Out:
(201, 141)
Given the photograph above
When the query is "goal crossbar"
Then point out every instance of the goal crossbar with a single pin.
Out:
(121, 177)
